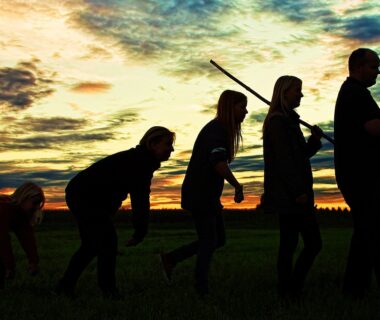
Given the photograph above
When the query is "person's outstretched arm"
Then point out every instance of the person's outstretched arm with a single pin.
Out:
(25, 235)
(140, 202)
(6, 253)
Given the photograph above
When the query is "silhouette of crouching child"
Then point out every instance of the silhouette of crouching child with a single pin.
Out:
(96, 193)
(19, 212)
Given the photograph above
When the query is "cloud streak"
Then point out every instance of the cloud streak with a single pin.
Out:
(91, 87)
(160, 30)
(24, 85)
(352, 25)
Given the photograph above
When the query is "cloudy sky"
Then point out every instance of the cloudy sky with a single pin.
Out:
(83, 79)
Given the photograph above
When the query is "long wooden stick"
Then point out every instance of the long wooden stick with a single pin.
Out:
(307, 125)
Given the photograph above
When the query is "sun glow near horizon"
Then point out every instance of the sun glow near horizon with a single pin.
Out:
(95, 77)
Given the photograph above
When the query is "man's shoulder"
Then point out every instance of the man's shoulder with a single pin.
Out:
(353, 87)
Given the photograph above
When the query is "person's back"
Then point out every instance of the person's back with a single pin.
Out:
(357, 153)
(96, 193)
(111, 179)
(203, 186)
(290, 173)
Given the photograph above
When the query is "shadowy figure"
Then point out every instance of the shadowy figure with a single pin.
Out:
(288, 184)
(215, 147)
(96, 193)
(19, 212)
(357, 159)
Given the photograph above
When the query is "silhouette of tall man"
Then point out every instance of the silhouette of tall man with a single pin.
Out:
(357, 160)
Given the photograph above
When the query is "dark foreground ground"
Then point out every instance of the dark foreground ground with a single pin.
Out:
(242, 277)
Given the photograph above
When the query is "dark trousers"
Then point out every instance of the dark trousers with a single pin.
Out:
(2, 274)
(291, 280)
(364, 253)
(98, 239)
(211, 235)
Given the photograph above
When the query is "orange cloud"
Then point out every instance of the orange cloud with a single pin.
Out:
(331, 201)
(91, 87)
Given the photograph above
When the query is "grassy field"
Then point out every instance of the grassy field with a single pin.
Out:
(242, 279)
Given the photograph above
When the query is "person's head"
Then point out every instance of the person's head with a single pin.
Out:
(287, 94)
(30, 198)
(159, 141)
(363, 65)
(231, 111)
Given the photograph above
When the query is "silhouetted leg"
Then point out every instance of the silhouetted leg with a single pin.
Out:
(358, 271)
(375, 249)
(288, 244)
(81, 258)
(220, 231)
(2, 274)
(182, 253)
(107, 250)
(186, 251)
(375, 234)
(209, 228)
(309, 230)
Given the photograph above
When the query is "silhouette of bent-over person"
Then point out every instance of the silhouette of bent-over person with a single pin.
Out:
(96, 193)
(18, 214)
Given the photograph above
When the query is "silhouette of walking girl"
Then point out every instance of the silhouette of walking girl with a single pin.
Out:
(215, 147)
(288, 183)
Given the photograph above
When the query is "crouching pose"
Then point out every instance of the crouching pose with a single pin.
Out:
(215, 147)
(288, 183)
(19, 212)
(96, 193)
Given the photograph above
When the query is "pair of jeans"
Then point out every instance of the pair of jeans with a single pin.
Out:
(211, 235)
(291, 279)
(364, 252)
(98, 239)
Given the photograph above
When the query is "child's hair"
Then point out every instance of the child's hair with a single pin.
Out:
(26, 191)
(225, 114)
(154, 135)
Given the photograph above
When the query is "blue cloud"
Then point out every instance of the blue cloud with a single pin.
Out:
(355, 24)
(160, 30)
(23, 85)
(365, 28)
(56, 142)
(248, 163)
(46, 178)
(298, 11)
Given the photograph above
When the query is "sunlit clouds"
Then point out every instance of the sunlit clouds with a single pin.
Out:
(90, 87)
(80, 80)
